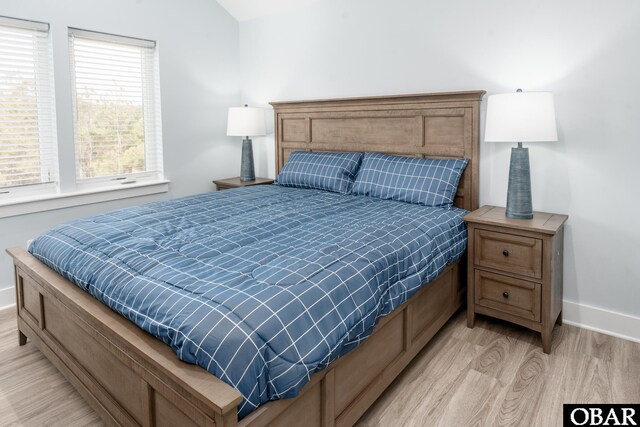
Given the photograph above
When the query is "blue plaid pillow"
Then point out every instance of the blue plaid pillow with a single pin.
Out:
(322, 171)
(429, 182)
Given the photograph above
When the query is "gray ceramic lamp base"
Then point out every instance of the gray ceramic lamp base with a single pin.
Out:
(519, 204)
(247, 171)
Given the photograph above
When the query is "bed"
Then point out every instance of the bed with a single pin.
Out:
(131, 378)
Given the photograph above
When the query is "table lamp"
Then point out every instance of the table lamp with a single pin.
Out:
(520, 117)
(246, 121)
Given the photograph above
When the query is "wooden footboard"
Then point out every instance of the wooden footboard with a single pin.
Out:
(131, 378)
(125, 374)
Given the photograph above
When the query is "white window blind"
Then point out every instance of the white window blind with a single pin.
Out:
(28, 159)
(118, 134)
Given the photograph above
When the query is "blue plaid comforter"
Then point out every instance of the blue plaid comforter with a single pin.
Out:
(261, 286)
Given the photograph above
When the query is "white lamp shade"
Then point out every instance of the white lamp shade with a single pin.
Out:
(521, 117)
(246, 121)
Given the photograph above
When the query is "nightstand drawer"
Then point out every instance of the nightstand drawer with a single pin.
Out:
(503, 293)
(508, 252)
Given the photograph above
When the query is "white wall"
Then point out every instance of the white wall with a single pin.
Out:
(198, 52)
(586, 52)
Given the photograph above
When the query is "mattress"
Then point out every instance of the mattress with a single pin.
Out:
(262, 286)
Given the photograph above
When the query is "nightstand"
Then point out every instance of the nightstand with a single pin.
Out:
(225, 184)
(515, 269)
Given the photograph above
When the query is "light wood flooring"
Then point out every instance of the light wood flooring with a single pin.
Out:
(495, 374)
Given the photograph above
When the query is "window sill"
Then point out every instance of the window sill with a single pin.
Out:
(24, 206)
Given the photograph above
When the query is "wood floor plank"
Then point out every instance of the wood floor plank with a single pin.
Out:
(521, 398)
(470, 404)
(557, 389)
(595, 344)
(592, 380)
(494, 374)
(502, 358)
(625, 384)
(625, 355)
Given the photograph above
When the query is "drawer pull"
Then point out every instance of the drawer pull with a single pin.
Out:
(505, 294)
(505, 252)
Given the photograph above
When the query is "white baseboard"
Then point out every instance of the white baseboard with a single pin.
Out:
(601, 320)
(7, 297)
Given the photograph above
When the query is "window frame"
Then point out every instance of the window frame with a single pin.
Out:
(46, 111)
(152, 114)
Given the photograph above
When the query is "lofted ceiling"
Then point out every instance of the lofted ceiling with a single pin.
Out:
(243, 10)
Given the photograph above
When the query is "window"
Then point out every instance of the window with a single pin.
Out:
(28, 160)
(116, 119)
(117, 108)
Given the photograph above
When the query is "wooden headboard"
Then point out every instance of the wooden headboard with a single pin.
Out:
(425, 125)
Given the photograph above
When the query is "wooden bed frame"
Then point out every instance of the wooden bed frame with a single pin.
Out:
(131, 378)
